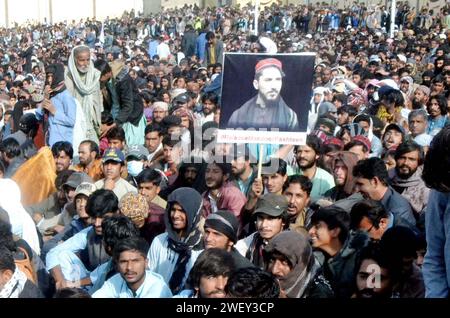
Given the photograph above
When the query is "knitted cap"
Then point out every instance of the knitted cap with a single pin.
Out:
(224, 222)
(135, 207)
(267, 63)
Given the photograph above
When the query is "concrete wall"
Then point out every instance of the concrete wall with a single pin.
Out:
(169, 4)
(152, 7)
(21, 11)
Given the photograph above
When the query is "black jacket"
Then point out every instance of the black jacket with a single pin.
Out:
(30, 290)
(341, 270)
(188, 43)
(318, 287)
(131, 107)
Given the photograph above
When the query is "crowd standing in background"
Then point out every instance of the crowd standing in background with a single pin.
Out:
(112, 183)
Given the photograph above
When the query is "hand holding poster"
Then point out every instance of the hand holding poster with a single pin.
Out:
(265, 98)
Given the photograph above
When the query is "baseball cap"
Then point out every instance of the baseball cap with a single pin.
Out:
(396, 127)
(137, 151)
(268, 63)
(271, 204)
(224, 222)
(113, 154)
(76, 179)
(181, 99)
(85, 188)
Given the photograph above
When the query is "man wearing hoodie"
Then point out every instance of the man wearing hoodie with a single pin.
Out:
(406, 177)
(343, 195)
(173, 253)
(289, 257)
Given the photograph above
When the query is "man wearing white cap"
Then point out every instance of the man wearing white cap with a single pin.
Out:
(160, 110)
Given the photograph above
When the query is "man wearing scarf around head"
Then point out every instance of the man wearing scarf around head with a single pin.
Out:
(173, 253)
(289, 257)
(83, 82)
(59, 105)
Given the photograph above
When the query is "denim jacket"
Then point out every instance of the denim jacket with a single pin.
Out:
(436, 266)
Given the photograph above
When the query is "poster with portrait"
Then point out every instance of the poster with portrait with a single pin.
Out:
(265, 98)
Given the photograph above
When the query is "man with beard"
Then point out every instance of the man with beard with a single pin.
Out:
(426, 78)
(421, 95)
(243, 171)
(209, 275)
(134, 279)
(307, 156)
(267, 109)
(210, 102)
(290, 258)
(372, 182)
(221, 194)
(83, 83)
(160, 110)
(63, 154)
(406, 178)
(374, 278)
(90, 163)
(297, 190)
(342, 195)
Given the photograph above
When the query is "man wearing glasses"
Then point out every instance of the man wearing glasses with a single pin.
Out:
(371, 217)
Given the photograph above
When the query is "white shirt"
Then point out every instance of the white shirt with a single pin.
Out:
(162, 259)
(152, 287)
(163, 51)
(121, 187)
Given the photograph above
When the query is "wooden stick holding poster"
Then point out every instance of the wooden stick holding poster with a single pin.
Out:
(260, 160)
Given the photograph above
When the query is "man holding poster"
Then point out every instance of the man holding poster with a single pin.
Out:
(267, 109)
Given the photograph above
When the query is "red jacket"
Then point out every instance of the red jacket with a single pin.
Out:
(229, 198)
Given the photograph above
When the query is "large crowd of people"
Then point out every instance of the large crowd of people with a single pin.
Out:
(112, 183)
